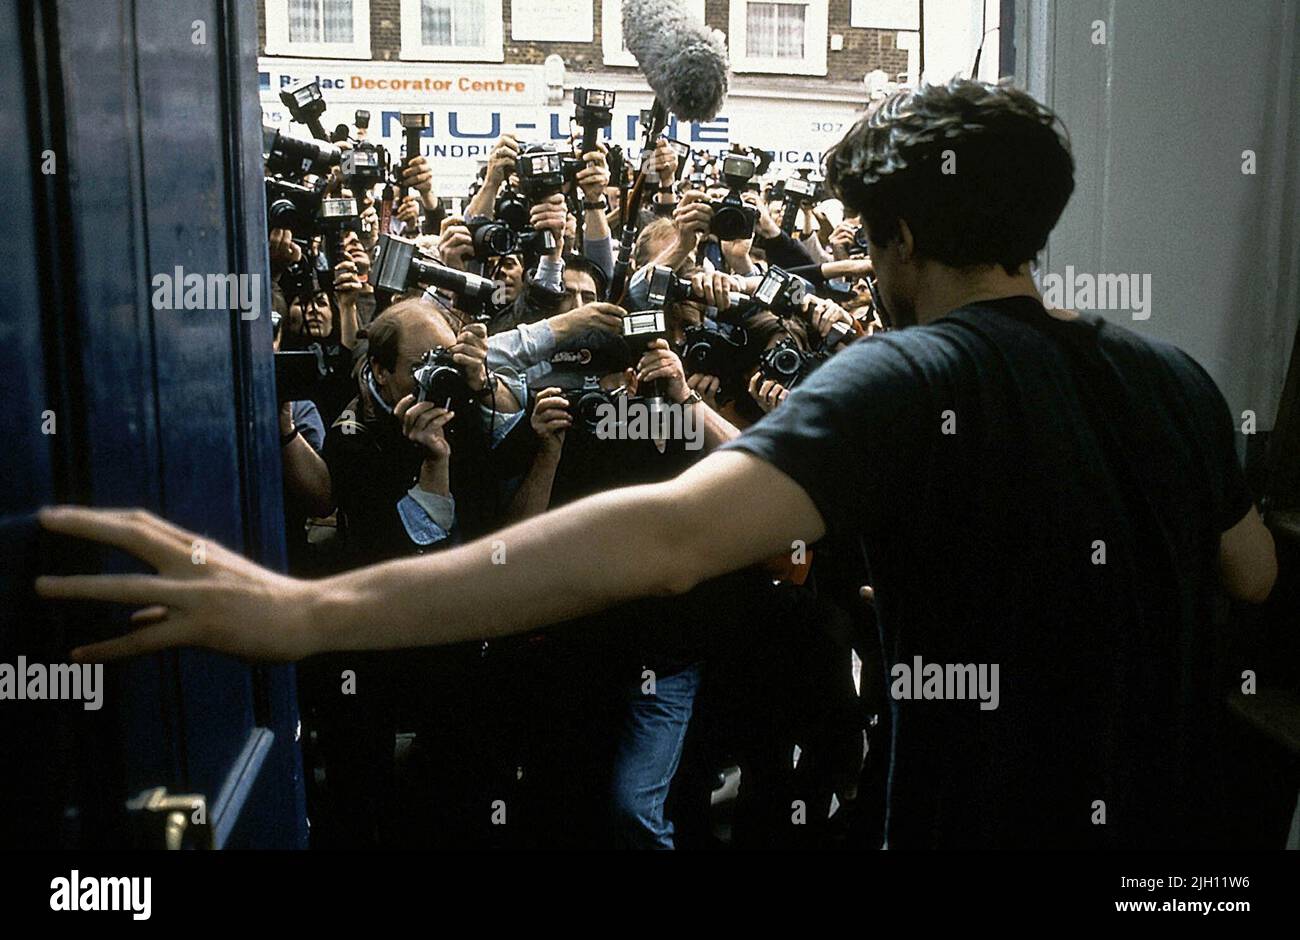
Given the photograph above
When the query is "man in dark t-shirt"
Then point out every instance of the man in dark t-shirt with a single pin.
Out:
(1047, 504)
(999, 530)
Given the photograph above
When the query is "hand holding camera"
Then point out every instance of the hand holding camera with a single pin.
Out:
(593, 178)
(284, 251)
(766, 392)
(470, 355)
(502, 161)
(586, 320)
(660, 364)
(830, 320)
(455, 243)
(764, 225)
(347, 281)
(551, 418)
(551, 214)
(424, 423)
(715, 288)
(417, 175)
(842, 240)
(694, 217)
(409, 213)
(706, 386)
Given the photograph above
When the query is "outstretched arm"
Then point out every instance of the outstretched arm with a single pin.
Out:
(619, 545)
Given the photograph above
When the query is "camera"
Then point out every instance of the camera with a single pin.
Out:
(292, 206)
(306, 104)
(295, 157)
(786, 364)
(861, 246)
(364, 166)
(541, 172)
(733, 218)
(306, 276)
(511, 208)
(666, 287)
(361, 120)
(798, 191)
(509, 231)
(336, 217)
(299, 373)
(399, 268)
(491, 238)
(781, 292)
(592, 110)
(439, 380)
(717, 347)
(586, 404)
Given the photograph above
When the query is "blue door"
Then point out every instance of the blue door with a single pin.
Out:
(131, 138)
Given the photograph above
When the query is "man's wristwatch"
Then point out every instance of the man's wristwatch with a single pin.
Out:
(603, 205)
(489, 389)
(693, 398)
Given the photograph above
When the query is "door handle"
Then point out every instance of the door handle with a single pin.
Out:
(184, 817)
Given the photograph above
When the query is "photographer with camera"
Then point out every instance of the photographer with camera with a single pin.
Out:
(644, 674)
(413, 471)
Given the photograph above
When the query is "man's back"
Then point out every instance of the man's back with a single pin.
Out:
(1049, 512)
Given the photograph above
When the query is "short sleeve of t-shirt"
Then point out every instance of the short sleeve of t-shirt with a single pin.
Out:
(849, 432)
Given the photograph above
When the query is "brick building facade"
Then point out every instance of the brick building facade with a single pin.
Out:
(861, 49)
(798, 68)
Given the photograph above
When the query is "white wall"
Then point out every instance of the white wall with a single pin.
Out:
(1159, 117)
(953, 29)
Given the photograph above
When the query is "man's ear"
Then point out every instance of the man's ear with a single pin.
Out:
(906, 243)
(381, 374)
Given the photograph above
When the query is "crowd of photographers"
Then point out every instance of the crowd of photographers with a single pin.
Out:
(443, 374)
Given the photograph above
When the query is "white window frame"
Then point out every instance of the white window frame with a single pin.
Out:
(277, 35)
(814, 52)
(414, 49)
(611, 30)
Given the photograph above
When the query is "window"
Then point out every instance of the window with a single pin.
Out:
(778, 36)
(452, 30)
(611, 23)
(774, 30)
(331, 29)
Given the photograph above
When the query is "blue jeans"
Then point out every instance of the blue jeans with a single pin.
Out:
(649, 749)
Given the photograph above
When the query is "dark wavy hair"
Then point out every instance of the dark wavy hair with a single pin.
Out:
(980, 172)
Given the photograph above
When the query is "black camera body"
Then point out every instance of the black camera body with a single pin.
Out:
(541, 172)
(300, 372)
(861, 247)
(510, 230)
(491, 238)
(787, 364)
(364, 166)
(733, 218)
(718, 348)
(296, 157)
(292, 206)
(439, 380)
(511, 208)
(586, 404)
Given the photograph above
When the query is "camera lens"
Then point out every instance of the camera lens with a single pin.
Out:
(786, 361)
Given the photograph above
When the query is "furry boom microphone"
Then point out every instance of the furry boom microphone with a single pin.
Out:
(683, 61)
